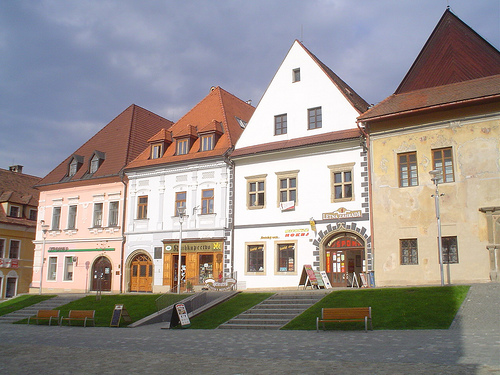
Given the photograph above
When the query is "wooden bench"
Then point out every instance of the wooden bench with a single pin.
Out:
(345, 314)
(46, 315)
(80, 315)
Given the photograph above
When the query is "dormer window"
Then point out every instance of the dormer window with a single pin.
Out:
(207, 142)
(96, 161)
(156, 151)
(74, 165)
(14, 211)
(182, 146)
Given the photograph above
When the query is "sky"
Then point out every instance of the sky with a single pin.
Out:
(67, 68)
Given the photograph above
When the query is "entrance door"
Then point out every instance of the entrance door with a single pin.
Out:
(10, 290)
(343, 255)
(176, 272)
(141, 275)
(101, 275)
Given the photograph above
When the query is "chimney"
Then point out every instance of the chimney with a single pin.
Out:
(16, 168)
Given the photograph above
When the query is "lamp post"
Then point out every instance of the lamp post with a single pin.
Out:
(435, 177)
(44, 236)
(182, 214)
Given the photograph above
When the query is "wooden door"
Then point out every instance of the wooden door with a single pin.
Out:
(141, 274)
(101, 275)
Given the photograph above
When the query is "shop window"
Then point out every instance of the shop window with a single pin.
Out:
(286, 257)
(52, 269)
(409, 251)
(442, 161)
(280, 124)
(207, 201)
(450, 250)
(255, 258)
(113, 214)
(72, 216)
(256, 191)
(314, 118)
(97, 215)
(15, 247)
(180, 202)
(68, 268)
(56, 218)
(407, 166)
(142, 207)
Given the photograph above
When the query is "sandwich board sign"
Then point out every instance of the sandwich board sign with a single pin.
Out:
(180, 315)
(308, 277)
(119, 312)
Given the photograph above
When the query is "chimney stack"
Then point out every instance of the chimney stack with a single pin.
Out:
(16, 168)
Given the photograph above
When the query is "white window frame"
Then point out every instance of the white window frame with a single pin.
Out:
(72, 216)
(56, 218)
(52, 269)
(96, 220)
(112, 212)
(68, 263)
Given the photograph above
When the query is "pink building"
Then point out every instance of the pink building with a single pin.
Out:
(80, 232)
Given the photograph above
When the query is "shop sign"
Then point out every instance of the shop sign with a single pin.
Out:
(342, 213)
(9, 263)
(193, 247)
(297, 232)
(63, 249)
(220, 285)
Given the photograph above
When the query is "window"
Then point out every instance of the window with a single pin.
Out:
(73, 167)
(314, 119)
(156, 151)
(94, 164)
(296, 75)
(287, 186)
(56, 218)
(408, 169)
(142, 207)
(2, 247)
(409, 251)
(450, 250)
(72, 217)
(207, 201)
(256, 193)
(255, 258)
(68, 268)
(15, 246)
(14, 211)
(286, 257)
(180, 202)
(113, 214)
(207, 142)
(182, 146)
(280, 124)
(33, 214)
(52, 268)
(442, 161)
(97, 215)
(342, 182)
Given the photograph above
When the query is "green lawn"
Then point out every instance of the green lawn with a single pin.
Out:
(21, 302)
(221, 313)
(392, 308)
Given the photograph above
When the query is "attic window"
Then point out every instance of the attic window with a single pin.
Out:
(14, 211)
(73, 167)
(182, 146)
(243, 124)
(156, 151)
(296, 75)
(207, 142)
(96, 161)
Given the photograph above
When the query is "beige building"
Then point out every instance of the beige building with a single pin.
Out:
(445, 118)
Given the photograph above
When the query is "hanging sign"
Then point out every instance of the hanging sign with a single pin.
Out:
(180, 315)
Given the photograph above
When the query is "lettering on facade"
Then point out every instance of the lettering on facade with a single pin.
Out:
(269, 237)
(193, 247)
(342, 213)
(9, 263)
(297, 232)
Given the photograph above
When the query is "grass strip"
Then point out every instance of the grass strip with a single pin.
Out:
(21, 302)
(392, 308)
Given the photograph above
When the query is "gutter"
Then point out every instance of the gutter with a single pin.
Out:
(231, 199)
(125, 186)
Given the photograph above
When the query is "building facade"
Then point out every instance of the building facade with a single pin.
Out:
(183, 180)
(80, 235)
(18, 214)
(301, 181)
(441, 125)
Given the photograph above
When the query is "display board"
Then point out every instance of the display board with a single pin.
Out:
(308, 277)
(326, 280)
(180, 315)
(119, 312)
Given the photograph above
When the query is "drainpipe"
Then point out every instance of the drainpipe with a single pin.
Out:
(232, 172)
(122, 270)
(370, 200)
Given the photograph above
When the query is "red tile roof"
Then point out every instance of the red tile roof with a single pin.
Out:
(336, 136)
(120, 142)
(17, 188)
(218, 107)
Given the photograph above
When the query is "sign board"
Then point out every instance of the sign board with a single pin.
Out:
(325, 279)
(308, 277)
(321, 284)
(364, 283)
(119, 312)
(227, 284)
(180, 315)
(342, 213)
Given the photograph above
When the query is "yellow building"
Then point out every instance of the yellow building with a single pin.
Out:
(18, 212)
(441, 125)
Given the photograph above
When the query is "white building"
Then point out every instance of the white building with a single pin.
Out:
(185, 167)
(301, 180)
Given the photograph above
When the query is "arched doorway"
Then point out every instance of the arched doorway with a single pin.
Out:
(344, 256)
(141, 274)
(101, 274)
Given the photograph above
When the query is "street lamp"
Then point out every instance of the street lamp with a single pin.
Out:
(181, 211)
(45, 228)
(435, 177)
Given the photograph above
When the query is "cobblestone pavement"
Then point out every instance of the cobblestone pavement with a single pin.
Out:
(467, 348)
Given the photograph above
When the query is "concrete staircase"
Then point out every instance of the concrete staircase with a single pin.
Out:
(49, 304)
(274, 312)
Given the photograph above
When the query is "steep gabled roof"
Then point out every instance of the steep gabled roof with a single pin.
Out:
(456, 67)
(120, 141)
(352, 96)
(219, 110)
(453, 53)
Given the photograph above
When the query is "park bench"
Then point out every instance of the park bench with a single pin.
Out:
(80, 315)
(345, 314)
(46, 315)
